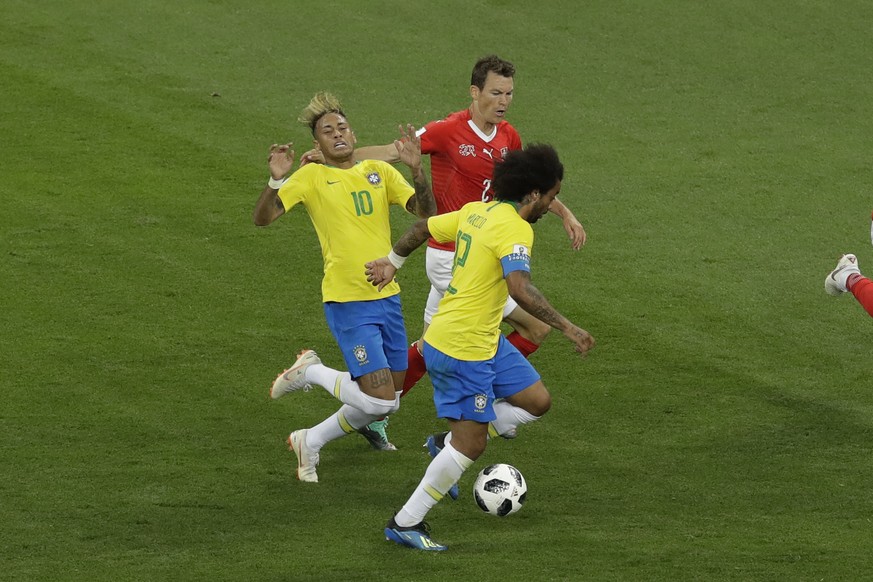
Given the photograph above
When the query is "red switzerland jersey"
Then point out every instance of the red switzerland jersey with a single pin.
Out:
(462, 161)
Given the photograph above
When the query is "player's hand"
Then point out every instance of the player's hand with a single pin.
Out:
(575, 231)
(409, 148)
(312, 156)
(584, 341)
(380, 272)
(281, 160)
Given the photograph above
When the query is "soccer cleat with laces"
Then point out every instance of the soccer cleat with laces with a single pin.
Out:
(435, 444)
(376, 435)
(294, 378)
(306, 459)
(835, 282)
(415, 536)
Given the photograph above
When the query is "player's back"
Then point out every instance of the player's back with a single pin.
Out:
(467, 324)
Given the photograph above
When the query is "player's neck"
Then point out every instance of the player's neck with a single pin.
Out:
(342, 164)
(479, 120)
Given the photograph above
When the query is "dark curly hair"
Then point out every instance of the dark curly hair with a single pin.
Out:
(536, 167)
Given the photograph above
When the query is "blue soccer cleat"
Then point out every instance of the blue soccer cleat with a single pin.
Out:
(434, 444)
(415, 536)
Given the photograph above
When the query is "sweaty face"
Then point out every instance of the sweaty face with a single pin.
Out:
(334, 138)
(494, 98)
(541, 206)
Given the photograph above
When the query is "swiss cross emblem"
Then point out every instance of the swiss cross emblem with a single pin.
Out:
(467, 150)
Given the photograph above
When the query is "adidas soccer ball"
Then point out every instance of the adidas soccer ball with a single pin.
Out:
(500, 489)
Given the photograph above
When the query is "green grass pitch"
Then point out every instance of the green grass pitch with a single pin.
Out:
(720, 156)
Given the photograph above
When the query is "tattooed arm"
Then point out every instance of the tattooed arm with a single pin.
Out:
(408, 149)
(381, 271)
(534, 302)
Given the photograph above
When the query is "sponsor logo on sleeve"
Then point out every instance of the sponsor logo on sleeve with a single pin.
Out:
(519, 253)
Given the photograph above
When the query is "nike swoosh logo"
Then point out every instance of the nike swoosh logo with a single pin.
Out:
(329, 183)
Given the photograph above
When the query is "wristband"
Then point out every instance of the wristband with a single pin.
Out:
(396, 259)
(274, 183)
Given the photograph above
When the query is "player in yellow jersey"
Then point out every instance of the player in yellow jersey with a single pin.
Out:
(348, 202)
(479, 378)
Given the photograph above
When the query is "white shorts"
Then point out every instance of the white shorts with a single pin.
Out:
(438, 264)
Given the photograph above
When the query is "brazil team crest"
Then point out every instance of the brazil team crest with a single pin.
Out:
(479, 402)
(361, 354)
(374, 178)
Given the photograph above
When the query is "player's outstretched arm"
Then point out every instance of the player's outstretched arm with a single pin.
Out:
(408, 149)
(386, 153)
(269, 207)
(381, 271)
(571, 224)
(534, 302)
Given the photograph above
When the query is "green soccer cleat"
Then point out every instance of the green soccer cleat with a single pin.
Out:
(376, 435)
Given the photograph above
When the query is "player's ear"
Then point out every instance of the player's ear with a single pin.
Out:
(474, 92)
(354, 138)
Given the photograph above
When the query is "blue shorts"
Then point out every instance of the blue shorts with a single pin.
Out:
(466, 390)
(370, 334)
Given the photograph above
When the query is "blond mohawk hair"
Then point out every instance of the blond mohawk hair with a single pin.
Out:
(319, 106)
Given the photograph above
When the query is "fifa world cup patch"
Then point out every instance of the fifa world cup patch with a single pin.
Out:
(361, 355)
(520, 253)
(374, 178)
(480, 401)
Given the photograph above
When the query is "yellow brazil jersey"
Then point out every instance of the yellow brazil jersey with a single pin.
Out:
(491, 240)
(349, 209)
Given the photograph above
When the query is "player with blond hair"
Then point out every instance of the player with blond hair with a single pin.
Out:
(348, 203)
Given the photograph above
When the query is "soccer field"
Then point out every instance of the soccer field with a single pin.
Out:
(718, 154)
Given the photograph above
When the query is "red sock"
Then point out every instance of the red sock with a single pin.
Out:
(525, 346)
(862, 289)
(415, 371)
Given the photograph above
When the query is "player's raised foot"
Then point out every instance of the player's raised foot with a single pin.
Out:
(435, 444)
(377, 436)
(415, 536)
(294, 378)
(307, 461)
(835, 282)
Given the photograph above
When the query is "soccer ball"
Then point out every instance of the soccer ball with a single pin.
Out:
(500, 489)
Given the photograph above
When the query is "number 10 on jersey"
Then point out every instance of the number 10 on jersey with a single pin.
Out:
(363, 203)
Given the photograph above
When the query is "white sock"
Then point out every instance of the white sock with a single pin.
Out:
(344, 421)
(509, 417)
(341, 386)
(444, 471)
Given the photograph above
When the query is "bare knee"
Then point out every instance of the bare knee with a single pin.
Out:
(535, 400)
(528, 326)
(541, 404)
(538, 332)
(468, 440)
